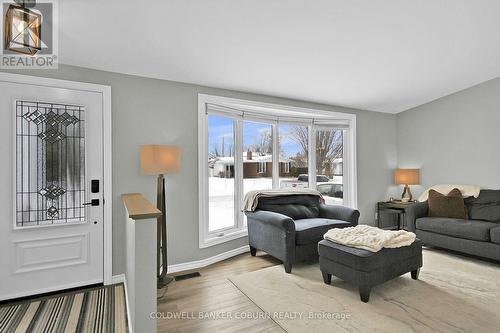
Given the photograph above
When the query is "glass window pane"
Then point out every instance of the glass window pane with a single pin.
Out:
(293, 147)
(257, 156)
(329, 165)
(50, 163)
(325, 189)
(220, 173)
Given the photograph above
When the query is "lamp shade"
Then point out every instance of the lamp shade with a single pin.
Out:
(158, 159)
(407, 176)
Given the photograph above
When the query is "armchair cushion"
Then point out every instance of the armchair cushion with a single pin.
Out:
(294, 206)
(310, 231)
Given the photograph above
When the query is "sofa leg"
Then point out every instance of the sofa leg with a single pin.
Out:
(327, 278)
(415, 273)
(364, 293)
(288, 267)
(253, 251)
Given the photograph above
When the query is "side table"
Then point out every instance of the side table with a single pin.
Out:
(392, 207)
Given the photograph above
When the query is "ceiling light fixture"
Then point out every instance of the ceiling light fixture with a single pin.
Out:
(23, 28)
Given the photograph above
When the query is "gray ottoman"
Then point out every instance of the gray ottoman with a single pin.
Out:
(367, 269)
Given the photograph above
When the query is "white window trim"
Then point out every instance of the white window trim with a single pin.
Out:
(321, 118)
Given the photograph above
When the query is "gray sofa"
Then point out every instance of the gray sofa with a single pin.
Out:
(479, 235)
(290, 227)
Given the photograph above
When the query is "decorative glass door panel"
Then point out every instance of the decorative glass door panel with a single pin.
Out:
(50, 164)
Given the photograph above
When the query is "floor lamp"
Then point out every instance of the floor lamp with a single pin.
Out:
(159, 160)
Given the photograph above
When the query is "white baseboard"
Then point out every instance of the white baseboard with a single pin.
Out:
(208, 261)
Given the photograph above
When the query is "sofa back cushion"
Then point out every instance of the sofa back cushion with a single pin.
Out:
(486, 207)
(451, 205)
(295, 206)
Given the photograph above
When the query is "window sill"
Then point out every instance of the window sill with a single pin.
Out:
(229, 236)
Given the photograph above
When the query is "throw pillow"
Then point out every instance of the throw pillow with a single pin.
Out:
(451, 205)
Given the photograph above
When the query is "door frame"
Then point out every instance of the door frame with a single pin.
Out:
(105, 92)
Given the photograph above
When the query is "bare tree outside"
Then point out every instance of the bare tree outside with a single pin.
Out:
(329, 146)
(222, 148)
(264, 142)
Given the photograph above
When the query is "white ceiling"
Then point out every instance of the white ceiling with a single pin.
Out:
(380, 55)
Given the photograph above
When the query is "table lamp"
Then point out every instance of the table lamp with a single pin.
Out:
(407, 177)
(159, 160)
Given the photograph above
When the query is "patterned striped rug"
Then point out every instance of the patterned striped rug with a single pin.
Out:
(100, 309)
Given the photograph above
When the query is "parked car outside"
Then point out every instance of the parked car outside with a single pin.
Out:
(333, 193)
(302, 181)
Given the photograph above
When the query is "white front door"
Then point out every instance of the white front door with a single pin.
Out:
(51, 144)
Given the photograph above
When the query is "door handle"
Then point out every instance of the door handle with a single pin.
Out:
(93, 202)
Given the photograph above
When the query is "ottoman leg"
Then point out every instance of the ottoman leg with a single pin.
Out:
(415, 273)
(327, 278)
(253, 251)
(364, 293)
(288, 267)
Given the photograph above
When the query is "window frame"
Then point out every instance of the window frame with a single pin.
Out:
(241, 110)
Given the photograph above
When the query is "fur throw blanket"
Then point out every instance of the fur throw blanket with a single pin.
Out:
(370, 238)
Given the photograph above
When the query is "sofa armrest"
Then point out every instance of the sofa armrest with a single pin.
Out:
(339, 213)
(271, 218)
(413, 212)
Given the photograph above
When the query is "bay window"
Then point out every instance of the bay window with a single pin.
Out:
(245, 146)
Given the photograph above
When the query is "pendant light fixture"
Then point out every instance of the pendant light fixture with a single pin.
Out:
(23, 28)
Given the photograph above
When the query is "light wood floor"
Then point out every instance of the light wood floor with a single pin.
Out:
(214, 292)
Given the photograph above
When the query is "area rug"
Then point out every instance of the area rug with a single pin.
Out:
(94, 310)
(453, 294)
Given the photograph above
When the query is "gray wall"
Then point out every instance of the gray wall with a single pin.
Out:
(164, 112)
(454, 139)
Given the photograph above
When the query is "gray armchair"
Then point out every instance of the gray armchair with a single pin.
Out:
(290, 227)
